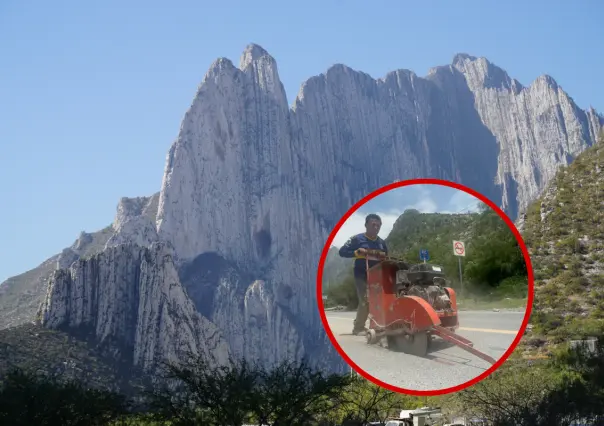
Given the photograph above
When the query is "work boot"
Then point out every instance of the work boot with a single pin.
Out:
(359, 332)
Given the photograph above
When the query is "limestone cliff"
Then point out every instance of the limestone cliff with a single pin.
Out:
(135, 221)
(252, 187)
(129, 300)
(538, 128)
(261, 185)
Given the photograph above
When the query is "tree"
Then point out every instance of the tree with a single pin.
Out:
(241, 392)
(559, 393)
(494, 254)
(199, 392)
(27, 399)
(364, 401)
(295, 394)
(586, 366)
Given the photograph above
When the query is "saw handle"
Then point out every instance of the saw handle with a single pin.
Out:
(371, 254)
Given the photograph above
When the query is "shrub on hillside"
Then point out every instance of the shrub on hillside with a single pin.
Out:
(27, 399)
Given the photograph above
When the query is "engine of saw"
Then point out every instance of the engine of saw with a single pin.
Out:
(426, 281)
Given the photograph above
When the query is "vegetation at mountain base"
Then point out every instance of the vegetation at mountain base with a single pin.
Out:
(200, 393)
(52, 353)
(565, 389)
(494, 271)
(569, 387)
(48, 377)
(28, 399)
(565, 237)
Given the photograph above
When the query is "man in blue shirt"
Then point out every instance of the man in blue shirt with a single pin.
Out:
(357, 247)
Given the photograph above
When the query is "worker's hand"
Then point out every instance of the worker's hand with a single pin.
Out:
(361, 252)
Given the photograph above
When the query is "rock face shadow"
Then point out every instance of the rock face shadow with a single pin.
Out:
(465, 145)
(202, 276)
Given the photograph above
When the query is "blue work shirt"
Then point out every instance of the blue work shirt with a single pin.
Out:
(362, 241)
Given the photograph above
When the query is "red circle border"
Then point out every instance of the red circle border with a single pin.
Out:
(519, 239)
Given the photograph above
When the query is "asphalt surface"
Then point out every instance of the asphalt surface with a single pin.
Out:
(446, 365)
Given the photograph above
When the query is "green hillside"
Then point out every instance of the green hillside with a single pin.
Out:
(564, 233)
(493, 270)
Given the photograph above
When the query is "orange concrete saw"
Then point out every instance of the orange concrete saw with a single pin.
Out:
(410, 304)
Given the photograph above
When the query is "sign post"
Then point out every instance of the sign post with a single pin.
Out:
(424, 255)
(459, 250)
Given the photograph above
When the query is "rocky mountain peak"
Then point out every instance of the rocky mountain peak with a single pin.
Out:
(129, 208)
(463, 57)
(254, 53)
(480, 72)
(219, 66)
(262, 68)
(547, 80)
(135, 221)
(83, 239)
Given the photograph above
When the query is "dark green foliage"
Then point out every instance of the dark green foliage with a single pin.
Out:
(567, 389)
(29, 400)
(201, 393)
(204, 393)
(292, 393)
(414, 231)
(493, 256)
(239, 393)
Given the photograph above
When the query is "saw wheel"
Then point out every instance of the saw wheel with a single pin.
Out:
(371, 337)
(412, 344)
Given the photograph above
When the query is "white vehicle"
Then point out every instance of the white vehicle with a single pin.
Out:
(401, 422)
(424, 416)
(466, 422)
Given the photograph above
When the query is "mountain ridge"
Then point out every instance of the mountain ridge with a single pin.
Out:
(256, 47)
(261, 184)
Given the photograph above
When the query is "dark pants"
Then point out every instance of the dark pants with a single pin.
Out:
(363, 307)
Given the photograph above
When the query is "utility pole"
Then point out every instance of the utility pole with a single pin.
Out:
(460, 278)
(459, 250)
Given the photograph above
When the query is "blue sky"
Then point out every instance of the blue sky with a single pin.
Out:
(390, 205)
(92, 93)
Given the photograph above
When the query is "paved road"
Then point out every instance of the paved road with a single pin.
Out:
(446, 365)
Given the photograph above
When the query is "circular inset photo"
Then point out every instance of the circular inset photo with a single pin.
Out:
(425, 287)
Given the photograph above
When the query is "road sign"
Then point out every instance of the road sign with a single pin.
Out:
(459, 248)
(424, 255)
